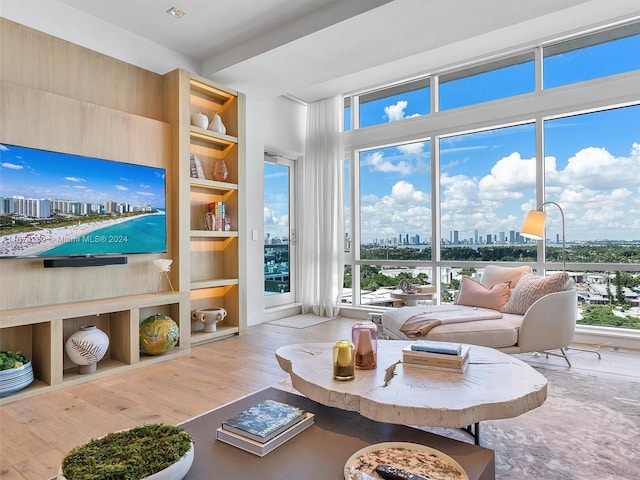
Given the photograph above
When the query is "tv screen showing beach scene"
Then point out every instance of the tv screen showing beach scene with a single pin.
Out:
(59, 205)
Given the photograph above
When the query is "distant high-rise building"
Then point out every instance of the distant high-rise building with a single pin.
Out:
(475, 237)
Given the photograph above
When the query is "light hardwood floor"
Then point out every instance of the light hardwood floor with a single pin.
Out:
(36, 432)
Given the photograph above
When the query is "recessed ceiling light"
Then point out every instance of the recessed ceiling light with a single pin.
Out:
(176, 12)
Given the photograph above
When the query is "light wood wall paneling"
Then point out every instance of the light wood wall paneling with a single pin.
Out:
(41, 119)
(32, 58)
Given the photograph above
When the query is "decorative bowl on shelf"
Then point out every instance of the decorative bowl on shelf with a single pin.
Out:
(158, 334)
(15, 378)
(209, 317)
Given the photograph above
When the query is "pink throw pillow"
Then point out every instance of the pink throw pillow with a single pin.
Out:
(474, 294)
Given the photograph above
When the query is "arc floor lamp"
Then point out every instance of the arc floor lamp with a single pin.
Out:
(533, 227)
(534, 224)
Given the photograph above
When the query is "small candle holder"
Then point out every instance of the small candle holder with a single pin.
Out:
(365, 339)
(344, 358)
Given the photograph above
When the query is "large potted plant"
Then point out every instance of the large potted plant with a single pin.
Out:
(150, 452)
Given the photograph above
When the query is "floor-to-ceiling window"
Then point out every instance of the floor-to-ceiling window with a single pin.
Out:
(445, 168)
(279, 231)
(485, 179)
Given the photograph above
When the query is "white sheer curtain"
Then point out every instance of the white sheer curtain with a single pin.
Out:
(321, 218)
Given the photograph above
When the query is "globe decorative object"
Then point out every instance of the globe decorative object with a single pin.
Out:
(158, 334)
(86, 347)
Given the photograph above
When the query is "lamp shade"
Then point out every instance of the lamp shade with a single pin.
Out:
(533, 226)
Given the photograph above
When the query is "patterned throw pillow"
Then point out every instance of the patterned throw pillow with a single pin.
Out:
(474, 294)
(530, 288)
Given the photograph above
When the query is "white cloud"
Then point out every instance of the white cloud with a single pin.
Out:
(404, 192)
(121, 188)
(459, 192)
(378, 163)
(411, 148)
(596, 168)
(11, 166)
(268, 216)
(404, 211)
(509, 177)
(396, 111)
(74, 179)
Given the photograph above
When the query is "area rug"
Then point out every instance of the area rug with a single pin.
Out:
(300, 321)
(588, 428)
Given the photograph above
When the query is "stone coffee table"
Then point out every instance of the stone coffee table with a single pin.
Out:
(495, 385)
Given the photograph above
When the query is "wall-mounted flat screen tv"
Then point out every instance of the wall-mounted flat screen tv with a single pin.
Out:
(60, 205)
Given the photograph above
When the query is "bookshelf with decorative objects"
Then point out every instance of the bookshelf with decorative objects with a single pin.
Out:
(208, 122)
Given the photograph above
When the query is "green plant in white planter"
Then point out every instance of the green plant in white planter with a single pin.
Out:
(9, 360)
(133, 454)
(16, 372)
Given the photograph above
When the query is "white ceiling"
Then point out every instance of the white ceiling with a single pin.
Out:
(310, 49)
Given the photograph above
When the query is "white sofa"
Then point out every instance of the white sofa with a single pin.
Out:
(547, 324)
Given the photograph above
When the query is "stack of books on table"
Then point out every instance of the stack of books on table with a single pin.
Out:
(447, 356)
(265, 426)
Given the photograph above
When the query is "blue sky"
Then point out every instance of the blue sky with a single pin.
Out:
(41, 174)
(276, 200)
(488, 178)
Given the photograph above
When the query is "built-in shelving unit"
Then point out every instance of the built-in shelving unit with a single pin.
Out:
(41, 332)
(209, 260)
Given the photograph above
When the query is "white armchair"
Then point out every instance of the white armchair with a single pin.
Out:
(549, 324)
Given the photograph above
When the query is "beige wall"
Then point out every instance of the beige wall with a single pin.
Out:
(58, 96)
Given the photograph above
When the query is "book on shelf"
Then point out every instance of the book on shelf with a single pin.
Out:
(262, 448)
(218, 214)
(264, 421)
(433, 346)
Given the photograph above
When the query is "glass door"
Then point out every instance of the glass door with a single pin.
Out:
(279, 231)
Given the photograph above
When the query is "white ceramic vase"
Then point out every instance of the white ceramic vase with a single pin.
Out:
(86, 347)
(216, 125)
(199, 120)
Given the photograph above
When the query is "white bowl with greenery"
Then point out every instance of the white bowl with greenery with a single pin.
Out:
(16, 372)
(148, 452)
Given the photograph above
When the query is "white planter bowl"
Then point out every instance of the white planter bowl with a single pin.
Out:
(177, 471)
(15, 379)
